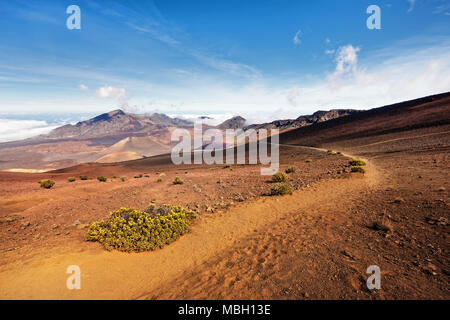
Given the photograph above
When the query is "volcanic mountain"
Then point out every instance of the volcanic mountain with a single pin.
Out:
(114, 123)
(119, 136)
(302, 121)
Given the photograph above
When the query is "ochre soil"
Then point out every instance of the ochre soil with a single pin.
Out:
(314, 244)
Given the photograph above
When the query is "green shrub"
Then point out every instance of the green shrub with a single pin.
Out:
(114, 177)
(71, 179)
(308, 160)
(280, 189)
(101, 179)
(358, 169)
(123, 179)
(162, 175)
(159, 180)
(47, 184)
(227, 166)
(280, 177)
(291, 169)
(357, 162)
(133, 230)
(84, 178)
(177, 180)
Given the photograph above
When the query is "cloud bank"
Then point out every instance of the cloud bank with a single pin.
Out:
(11, 130)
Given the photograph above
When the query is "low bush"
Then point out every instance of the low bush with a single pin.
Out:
(84, 178)
(71, 179)
(123, 179)
(133, 230)
(114, 177)
(227, 166)
(291, 169)
(358, 169)
(382, 224)
(308, 160)
(102, 179)
(159, 180)
(357, 162)
(47, 184)
(280, 177)
(280, 189)
(177, 180)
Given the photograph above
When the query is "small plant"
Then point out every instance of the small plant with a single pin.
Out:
(308, 160)
(134, 230)
(84, 178)
(47, 184)
(357, 162)
(135, 193)
(227, 166)
(330, 152)
(159, 180)
(162, 175)
(139, 176)
(123, 179)
(280, 189)
(114, 177)
(291, 169)
(71, 179)
(280, 177)
(339, 152)
(102, 179)
(358, 169)
(382, 224)
(177, 180)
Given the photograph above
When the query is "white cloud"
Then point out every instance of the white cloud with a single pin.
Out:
(11, 130)
(411, 5)
(330, 51)
(293, 94)
(327, 40)
(83, 87)
(296, 39)
(346, 61)
(111, 92)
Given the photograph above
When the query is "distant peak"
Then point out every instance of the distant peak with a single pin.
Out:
(115, 113)
(237, 122)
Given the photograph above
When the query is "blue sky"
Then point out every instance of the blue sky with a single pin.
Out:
(263, 60)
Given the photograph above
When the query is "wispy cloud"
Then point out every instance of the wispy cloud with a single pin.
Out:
(297, 36)
(111, 92)
(412, 3)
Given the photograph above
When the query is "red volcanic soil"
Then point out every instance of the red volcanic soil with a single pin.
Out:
(314, 244)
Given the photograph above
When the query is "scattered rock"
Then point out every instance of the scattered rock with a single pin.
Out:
(441, 221)
(26, 225)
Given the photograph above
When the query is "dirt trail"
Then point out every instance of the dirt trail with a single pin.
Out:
(115, 275)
